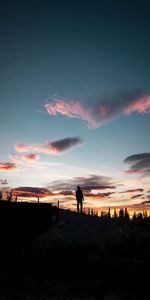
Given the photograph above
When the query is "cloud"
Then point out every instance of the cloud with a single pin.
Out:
(31, 192)
(30, 158)
(52, 147)
(3, 181)
(101, 112)
(137, 196)
(98, 196)
(140, 164)
(146, 201)
(66, 193)
(132, 191)
(7, 166)
(88, 183)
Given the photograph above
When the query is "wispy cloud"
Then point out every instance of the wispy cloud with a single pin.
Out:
(140, 164)
(30, 158)
(101, 112)
(7, 166)
(52, 147)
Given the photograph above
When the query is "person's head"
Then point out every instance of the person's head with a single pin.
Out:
(78, 187)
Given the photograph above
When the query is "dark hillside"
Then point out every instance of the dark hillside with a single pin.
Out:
(81, 257)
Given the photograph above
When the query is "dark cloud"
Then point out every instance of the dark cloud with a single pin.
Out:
(3, 181)
(31, 192)
(136, 196)
(66, 193)
(146, 202)
(101, 111)
(139, 163)
(98, 196)
(88, 183)
(65, 144)
(145, 197)
(132, 191)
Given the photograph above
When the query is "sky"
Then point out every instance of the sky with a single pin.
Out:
(75, 100)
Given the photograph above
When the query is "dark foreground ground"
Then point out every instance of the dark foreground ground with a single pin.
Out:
(81, 257)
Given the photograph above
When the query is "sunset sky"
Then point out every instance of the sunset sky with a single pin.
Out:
(75, 100)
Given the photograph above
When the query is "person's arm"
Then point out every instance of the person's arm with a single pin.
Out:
(82, 196)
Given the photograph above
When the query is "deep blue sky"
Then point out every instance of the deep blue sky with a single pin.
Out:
(72, 50)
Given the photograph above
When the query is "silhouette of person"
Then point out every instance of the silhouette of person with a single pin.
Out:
(79, 198)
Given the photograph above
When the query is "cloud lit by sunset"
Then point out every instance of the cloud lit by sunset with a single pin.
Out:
(30, 158)
(52, 147)
(10, 167)
(101, 112)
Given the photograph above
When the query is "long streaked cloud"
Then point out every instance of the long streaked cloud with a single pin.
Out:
(98, 196)
(132, 191)
(146, 199)
(88, 183)
(139, 163)
(7, 166)
(101, 112)
(137, 196)
(52, 147)
(31, 192)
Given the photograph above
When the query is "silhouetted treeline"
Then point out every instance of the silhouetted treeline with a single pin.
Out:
(122, 214)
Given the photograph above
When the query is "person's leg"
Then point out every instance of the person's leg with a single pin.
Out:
(77, 206)
(81, 206)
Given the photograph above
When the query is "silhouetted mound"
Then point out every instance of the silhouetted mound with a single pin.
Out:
(81, 257)
(21, 222)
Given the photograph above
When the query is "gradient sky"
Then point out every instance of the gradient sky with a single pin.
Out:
(75, 98)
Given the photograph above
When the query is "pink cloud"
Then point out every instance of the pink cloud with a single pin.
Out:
(30, 158)
(141, 105)
(132, 171)
(7, 166)
(52, 147)
(100, 112)
(41, 148)
(72, 109)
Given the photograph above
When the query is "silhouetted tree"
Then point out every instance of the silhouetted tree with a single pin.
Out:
(115, 214)
(126, 214)
(121, 213)
(139, 216)
(108, 214)
(134, 216)
(145, 214)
